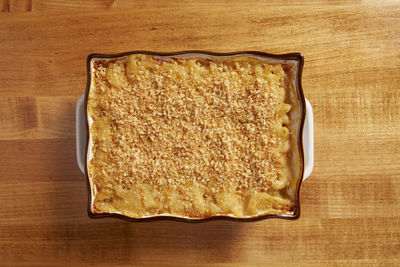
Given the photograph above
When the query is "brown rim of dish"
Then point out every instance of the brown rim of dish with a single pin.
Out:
(291, 56)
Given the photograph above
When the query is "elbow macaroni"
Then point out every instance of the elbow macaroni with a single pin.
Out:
(190, 137)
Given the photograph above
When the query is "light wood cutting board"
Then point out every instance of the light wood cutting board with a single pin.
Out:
(350, 204)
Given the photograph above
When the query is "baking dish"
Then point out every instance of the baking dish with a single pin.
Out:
(302, 124)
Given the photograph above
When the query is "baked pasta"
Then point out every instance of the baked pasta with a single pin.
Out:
(190, 137)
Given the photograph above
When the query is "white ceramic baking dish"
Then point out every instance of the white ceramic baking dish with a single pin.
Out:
(303, 115)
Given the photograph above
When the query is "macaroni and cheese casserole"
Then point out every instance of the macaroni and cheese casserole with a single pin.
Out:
(190, 137)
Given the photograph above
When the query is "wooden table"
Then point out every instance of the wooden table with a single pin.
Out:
(350, 204)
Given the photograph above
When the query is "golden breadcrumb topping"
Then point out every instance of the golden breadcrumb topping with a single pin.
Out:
(189, 137)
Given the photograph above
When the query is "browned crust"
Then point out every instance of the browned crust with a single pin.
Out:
(295, 56)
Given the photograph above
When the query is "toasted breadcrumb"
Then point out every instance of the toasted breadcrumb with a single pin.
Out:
(189, 137)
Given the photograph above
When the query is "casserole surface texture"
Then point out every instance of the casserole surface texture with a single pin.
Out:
(191, 137)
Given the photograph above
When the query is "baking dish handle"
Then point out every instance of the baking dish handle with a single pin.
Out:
(308, 141)
(80, 133)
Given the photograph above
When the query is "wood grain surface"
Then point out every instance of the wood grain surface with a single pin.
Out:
(350, 204)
